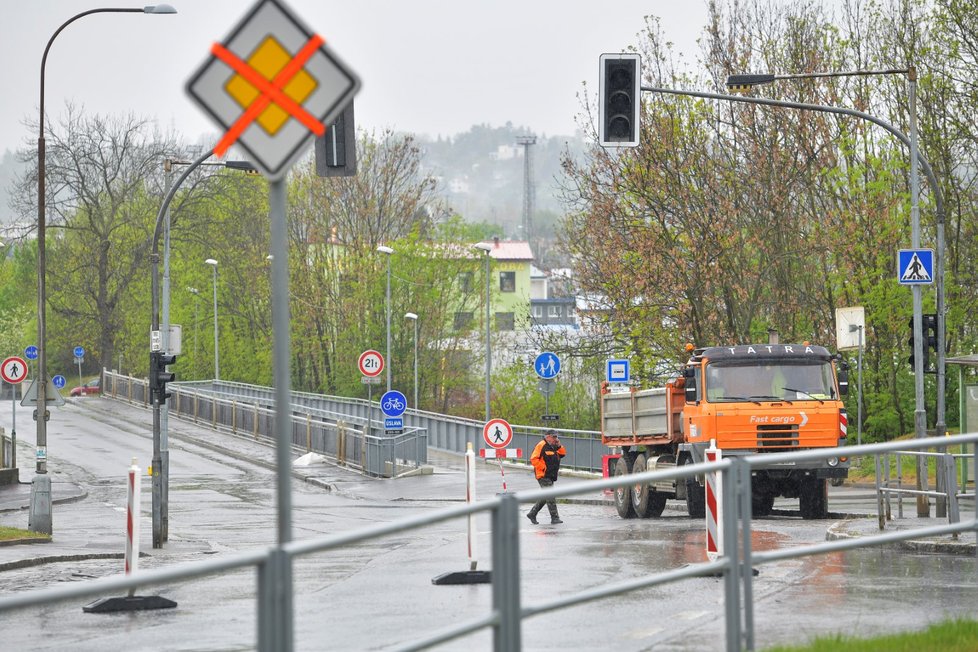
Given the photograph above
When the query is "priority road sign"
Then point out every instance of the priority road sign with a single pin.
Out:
(13, 370)
(497, 433)
(271, 86)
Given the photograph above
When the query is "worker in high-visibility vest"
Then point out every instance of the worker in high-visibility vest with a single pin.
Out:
(546, 463)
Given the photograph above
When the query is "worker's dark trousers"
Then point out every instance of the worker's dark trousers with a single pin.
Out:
(545, 483)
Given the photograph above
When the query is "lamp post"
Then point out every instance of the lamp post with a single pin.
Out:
(196, 293)
(486, 248)
(39, 519)
(387, 250)
(413, 317)
(744, 82)
(217, 363)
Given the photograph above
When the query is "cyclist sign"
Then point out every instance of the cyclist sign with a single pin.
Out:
(393, 404)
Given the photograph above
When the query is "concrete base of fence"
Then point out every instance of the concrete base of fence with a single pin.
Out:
(403, 472)
(463, 577)
(129, 603)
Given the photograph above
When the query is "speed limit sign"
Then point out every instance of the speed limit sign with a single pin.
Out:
(371, 363)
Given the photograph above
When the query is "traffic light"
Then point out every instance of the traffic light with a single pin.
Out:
(620, 94)
(336, 151)
(159, 376)
(929, 328)
(926, 329)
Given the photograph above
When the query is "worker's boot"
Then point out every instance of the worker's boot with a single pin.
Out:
(533, 517)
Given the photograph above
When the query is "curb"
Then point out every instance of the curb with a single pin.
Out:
(838, 531)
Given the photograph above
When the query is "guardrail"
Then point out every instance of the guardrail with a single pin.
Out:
(273, 566)
(359, 443)
(946, 492)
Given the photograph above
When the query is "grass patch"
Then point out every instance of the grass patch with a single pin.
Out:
(865, 469)
(12, 533)
(948, 636)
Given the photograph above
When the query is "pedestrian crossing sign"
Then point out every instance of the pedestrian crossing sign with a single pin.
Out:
(915, 266)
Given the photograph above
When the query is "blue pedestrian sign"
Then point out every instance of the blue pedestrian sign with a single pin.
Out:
(915, 266)
(547, 365)
(79, 352)
(393, 403)
(618, 371)
(31, 352)
(59, 381)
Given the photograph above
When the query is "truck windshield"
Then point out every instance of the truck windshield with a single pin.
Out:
(772, 381)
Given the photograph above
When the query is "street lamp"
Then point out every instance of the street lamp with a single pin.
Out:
(387, 250)
(196, 293)
(217, 364)
(486, 248)
(39, 519)
(413, 317)
(745, 82)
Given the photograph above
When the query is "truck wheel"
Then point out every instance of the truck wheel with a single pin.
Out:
(813, 500)
(623, 495)
(761, 506)
(695, 493)
(645, 500)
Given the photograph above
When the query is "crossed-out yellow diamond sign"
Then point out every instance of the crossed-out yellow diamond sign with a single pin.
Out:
(272, 85)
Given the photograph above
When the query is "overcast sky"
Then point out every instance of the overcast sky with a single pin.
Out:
(427, 66)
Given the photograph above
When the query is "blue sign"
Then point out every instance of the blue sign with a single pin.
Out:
(31, 352)
(79, 352)
(393, 403)
(619, 371)
(547, 365)
(393, 423)
(59, 381)
(915, 266)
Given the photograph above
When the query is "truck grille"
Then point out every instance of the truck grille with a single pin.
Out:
(777, 436)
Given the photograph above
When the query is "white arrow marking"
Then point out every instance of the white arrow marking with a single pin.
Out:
(804, 419)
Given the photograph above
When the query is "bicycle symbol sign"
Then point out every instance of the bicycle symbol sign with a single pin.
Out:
(393, 403)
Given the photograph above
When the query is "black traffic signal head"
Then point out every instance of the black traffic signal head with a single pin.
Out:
(336, 151)
(159, 376)
(620, 94)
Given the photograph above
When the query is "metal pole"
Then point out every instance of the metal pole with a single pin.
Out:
(859, 399)
(488, 342)
(217, 363)
(165, 333)
(920, 410)
(388, 304)
(283, 414)
(416, 363)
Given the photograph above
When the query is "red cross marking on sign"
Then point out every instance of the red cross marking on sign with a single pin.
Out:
(271, 91)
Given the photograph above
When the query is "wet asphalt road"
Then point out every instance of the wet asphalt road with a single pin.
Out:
(378, 595)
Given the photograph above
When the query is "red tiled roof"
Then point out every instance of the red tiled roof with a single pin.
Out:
(510, 249)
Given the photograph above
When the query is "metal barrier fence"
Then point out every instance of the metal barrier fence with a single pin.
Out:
(445, 432)
(946, 492)
(275, 621)
(351, 440)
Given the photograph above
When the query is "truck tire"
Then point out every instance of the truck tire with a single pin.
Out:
(623, 495)
(646, 501)
(695, 492)
(813, 501)
(761, 505)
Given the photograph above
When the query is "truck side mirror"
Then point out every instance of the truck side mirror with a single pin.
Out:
(689, 375)
(843, 373)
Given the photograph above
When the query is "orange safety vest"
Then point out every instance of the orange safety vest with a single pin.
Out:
(546, 460)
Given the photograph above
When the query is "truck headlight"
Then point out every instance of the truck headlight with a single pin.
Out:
(833, 461)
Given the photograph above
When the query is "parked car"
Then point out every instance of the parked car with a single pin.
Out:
(94, 386)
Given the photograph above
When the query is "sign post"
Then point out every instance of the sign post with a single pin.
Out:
(272, 85)
(14, 371)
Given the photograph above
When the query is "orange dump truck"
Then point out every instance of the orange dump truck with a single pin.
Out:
(750, 399)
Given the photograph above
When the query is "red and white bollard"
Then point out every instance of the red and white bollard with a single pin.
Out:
(714, 501)
(132, 520)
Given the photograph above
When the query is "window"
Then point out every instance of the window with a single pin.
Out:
(538, 312)
(462, 320)
(553, 311)
(505, 321)
(507, 281)
(465, 281)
